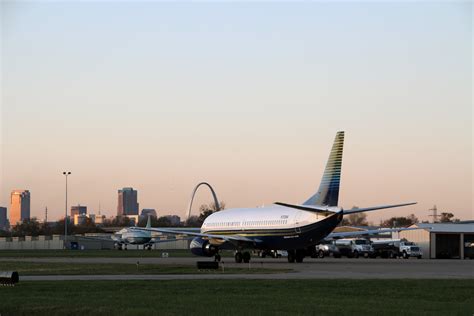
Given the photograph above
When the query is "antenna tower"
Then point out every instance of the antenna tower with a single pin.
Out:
(435, 215)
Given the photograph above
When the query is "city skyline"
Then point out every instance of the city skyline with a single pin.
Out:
(247, 97)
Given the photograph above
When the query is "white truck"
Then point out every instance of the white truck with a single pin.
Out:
(354, 248)
(325, 248)
(395, 248)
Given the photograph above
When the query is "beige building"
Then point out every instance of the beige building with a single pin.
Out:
(443, 240)
(20, 206)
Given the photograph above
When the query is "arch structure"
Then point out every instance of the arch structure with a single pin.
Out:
(216, 201)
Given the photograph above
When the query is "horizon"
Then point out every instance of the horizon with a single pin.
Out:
(245, 96)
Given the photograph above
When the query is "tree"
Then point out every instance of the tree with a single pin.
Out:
(400, 221)
(446, 217)
(357, 219)
(193, 221)
(144, 220)
(204, 211)
(87, 227)
(121, 221)
(344, 222)
(28, 227)
(163, 221)
(58, 228)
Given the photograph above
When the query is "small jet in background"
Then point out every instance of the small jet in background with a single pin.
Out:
(130, 236)
(126, 236)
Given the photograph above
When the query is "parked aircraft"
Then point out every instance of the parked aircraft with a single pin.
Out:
(293, 227)
(128, 236)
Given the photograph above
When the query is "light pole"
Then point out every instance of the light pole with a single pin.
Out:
(66, 173)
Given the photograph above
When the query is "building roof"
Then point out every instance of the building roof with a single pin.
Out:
(447, 227)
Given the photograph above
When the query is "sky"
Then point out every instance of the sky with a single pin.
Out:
(247, 96)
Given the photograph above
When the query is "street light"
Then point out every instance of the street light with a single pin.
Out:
(66, 173)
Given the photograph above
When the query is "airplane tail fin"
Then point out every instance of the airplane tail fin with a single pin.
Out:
(328, 192)
(148, 223)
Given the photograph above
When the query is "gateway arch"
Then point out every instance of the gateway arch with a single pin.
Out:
(216, 201)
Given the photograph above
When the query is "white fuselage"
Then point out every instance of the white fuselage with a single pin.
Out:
(273, 217)
(135, 237)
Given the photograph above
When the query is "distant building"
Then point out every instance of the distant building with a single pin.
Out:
(3, 218)
(20, 206)
(77, 210)
(79, 219)
(97, 218)
(127, 202)
(175, 220)
(133, 219)
(148, 211)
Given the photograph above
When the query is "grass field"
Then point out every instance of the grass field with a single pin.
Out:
(226, 297)
(50, 268)
(95, 253)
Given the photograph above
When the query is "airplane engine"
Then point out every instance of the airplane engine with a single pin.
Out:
(202, 247)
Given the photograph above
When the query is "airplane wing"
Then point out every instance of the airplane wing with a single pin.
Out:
(153, 240)
(230, 238)
(368, 232)
(373, 208)
(157, 241)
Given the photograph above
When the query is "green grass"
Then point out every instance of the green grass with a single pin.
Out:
(251, 297)
(93, 253)
(47, 268)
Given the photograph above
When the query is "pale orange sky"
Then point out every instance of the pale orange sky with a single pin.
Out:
(248, 97)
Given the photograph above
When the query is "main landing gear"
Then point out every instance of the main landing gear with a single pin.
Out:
(121, 247)
(147, 247)
(296, 255)
(239, 257)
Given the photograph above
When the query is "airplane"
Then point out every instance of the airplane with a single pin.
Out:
(128, 236)
(291, 227)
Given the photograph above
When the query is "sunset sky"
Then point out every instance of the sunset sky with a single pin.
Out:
(247, 96)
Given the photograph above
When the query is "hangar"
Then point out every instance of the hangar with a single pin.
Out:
(444, 240)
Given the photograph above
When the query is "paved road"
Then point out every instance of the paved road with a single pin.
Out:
(310, 269)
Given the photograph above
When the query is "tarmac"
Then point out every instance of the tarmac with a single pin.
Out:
(327, 268)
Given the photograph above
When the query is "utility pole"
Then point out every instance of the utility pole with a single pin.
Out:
(66, 173)
(46, 215)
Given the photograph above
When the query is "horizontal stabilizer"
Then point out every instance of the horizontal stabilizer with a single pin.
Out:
(316, 209)
(373, 208)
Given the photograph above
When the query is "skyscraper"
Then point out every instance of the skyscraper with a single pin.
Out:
(127, 202)
(77, 210)
(20, 206)
(3, 218)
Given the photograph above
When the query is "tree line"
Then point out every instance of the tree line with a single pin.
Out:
(360, 219)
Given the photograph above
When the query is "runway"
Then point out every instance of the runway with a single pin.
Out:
(327, 268)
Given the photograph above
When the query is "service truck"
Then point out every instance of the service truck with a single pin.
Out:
(396, 248)
(325, 248)
(353, 248)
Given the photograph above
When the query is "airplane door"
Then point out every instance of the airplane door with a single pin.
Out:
(297, 222)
